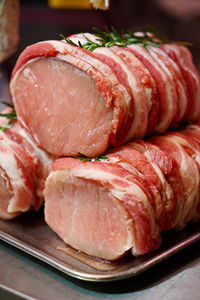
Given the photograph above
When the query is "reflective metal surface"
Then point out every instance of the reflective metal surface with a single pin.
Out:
(31, 234)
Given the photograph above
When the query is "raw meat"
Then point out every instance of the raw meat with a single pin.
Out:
(123, 201)
(72, 100)
(112, 204)
(23, 170)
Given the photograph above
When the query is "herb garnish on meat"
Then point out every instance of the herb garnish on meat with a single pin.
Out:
(83, 157)
(11, 116)
(107, 38)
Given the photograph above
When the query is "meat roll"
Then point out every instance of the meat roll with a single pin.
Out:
(74, 100)
(122, 201)
(23, 170)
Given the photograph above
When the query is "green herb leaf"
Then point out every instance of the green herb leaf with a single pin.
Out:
(3, 128)
(108, 38)
(8, 104)
(12, 116)
(100, 157)
(70, 41)
(83, 157)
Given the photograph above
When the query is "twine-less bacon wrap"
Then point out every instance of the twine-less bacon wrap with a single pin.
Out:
(23, 169)
(80, 96)
(73, 100)
(122, 203)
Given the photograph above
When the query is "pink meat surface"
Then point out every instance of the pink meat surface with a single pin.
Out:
(68, 107)
(105, 229)
(15, 184)
(6, 193)
(183, 59)
(175, 78)
(166, 94)
(135, 162)
(124, 201)
(72, 100)
(115, 213)
(189, 176)
(23, 169)
(40, 160)
(192, 136)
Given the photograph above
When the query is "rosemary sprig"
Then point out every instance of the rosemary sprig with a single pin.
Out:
(83, 157)
(70, 41)
(12, 116)
(8, 104)
(108, 38)
(90, 45)
(125, 38)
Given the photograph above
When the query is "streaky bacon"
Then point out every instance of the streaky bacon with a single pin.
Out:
(183, 59)
(148, 186)
(166, 94)
(175, 77)
(168, 173)
(192, 136)
(17, 176)
(189, 176)
(134, 161)
(23, 171)
(124, 65)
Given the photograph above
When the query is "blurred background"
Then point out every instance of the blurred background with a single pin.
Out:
(179, 20)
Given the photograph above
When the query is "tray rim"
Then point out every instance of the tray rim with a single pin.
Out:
(87, 276)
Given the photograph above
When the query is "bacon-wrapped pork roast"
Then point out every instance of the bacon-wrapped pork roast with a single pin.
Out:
(74, 100)
(23, 170)
(122, 202)
(83, 95)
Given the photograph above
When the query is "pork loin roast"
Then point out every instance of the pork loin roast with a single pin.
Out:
(73, 100)
(23, 170)
(123, 201)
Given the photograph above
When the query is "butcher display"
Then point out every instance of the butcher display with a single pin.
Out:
(89, 92)
(73, 140)
(122, 201)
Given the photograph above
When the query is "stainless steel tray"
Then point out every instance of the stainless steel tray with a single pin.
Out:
(30, 234)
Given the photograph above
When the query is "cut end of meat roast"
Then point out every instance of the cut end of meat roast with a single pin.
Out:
(61, 107)
(105, 230)
(100, 208)
(73, 100)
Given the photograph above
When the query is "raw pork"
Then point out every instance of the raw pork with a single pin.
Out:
(72, 100)
(123, 201)
(23, 170)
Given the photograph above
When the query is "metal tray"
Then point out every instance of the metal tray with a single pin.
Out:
(30, 233)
